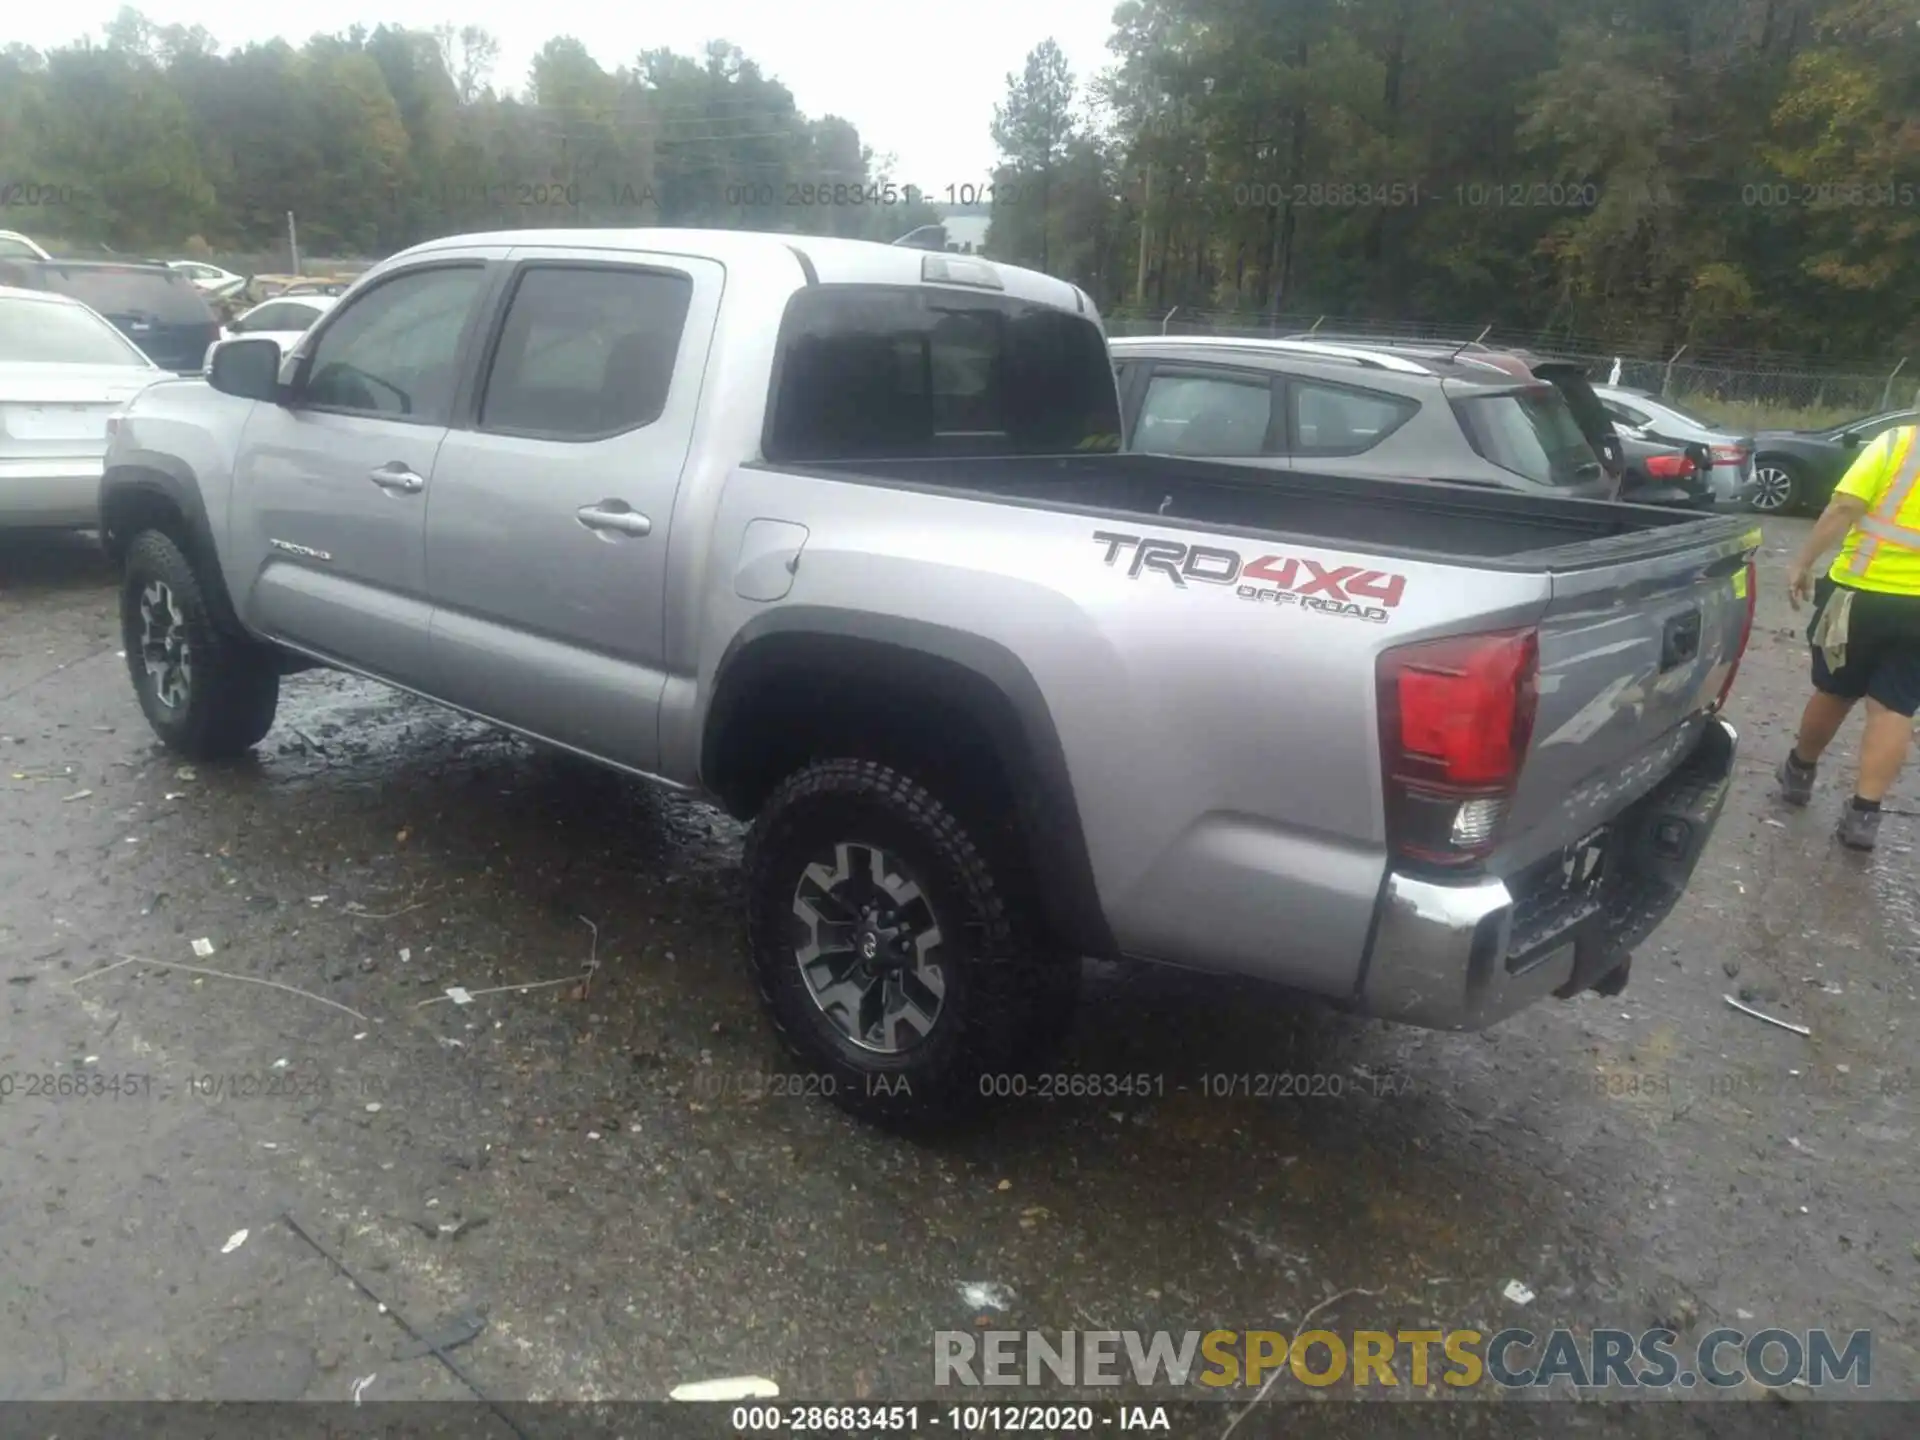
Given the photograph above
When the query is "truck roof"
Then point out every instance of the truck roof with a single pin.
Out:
(822, 259)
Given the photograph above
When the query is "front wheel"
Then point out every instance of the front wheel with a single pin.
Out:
(207, 693)
(1777, 488)
(894, 952)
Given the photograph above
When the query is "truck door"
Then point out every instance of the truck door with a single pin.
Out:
(548, 525)
(331, 488)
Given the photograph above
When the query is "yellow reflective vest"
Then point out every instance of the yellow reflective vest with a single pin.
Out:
(1882, 551)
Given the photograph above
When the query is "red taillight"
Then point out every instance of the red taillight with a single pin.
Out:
(1670, 467)
(1730, 454)
(1751, 586)
(1456, 717)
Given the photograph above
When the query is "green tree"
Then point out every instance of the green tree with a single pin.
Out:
(1035, 128)
(112, 126)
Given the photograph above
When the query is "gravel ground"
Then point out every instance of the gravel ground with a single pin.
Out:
(610, 1171)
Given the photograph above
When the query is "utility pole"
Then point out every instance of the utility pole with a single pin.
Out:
(293, 246)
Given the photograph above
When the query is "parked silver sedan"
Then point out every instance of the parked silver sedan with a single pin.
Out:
(1640, 416)
(64, 372)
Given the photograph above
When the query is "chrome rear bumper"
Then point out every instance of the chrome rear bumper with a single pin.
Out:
(1446, 956)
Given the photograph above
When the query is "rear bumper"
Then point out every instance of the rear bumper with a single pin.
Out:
(1463, 956)
(1733, 485)
(50, 492)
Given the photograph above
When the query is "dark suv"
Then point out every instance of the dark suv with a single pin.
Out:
(158, 309)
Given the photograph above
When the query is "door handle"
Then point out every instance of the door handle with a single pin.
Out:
(398, 477)
(616, 516)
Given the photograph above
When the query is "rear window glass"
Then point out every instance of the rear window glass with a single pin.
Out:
(1699, 422)
(1532, 433)
(902, 372)
(47, 332)
(158, 297)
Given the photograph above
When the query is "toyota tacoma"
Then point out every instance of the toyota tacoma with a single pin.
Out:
(838, 534)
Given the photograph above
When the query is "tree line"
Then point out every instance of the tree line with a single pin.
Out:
(1709, 173)
(375, 140)
(1730, 173)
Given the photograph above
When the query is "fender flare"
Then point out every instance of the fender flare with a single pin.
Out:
(130, 485)
(997, 689)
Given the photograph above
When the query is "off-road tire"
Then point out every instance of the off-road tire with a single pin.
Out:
(1009, 991)
(234, 684)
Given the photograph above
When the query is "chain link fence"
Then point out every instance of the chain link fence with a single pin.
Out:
(1757, 386)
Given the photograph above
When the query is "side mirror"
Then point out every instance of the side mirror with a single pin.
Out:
(248, 368)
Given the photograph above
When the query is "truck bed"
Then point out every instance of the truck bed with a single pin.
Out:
(1493, 529)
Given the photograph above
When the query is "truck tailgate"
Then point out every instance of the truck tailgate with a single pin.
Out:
(1633, 654)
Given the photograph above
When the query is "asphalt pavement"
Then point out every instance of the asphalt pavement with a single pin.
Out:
(593, 1154)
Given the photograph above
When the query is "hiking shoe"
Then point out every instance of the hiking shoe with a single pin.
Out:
(1796, 785)
(1858, 829)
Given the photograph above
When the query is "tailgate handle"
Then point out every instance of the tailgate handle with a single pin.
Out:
(1681, 641)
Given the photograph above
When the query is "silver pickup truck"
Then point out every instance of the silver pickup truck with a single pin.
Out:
(835, 533)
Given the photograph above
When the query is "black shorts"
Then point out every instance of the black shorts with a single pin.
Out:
(1883, 650)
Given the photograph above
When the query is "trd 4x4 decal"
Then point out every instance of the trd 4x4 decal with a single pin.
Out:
(1297, 580)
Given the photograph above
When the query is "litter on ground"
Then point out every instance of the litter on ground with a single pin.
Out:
(986, 1295)
(733, 1387)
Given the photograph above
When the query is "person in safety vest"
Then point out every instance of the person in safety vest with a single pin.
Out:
(1865, 630)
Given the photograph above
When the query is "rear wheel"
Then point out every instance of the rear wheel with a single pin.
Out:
(892, 947)
(207, 693)
(1777, 486)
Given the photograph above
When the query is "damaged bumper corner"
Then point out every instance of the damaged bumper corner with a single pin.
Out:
(1464, 956)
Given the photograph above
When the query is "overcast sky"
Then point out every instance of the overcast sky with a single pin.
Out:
(918, 81)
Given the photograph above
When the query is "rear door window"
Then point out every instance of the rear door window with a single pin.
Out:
(586, 351)
(1184, 413)
(1531, 433)
(907, 372)
(1343, 420)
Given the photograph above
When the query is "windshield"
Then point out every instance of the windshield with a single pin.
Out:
(1532, 433)
(44, 332)
(867, 371)
(159, 297)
